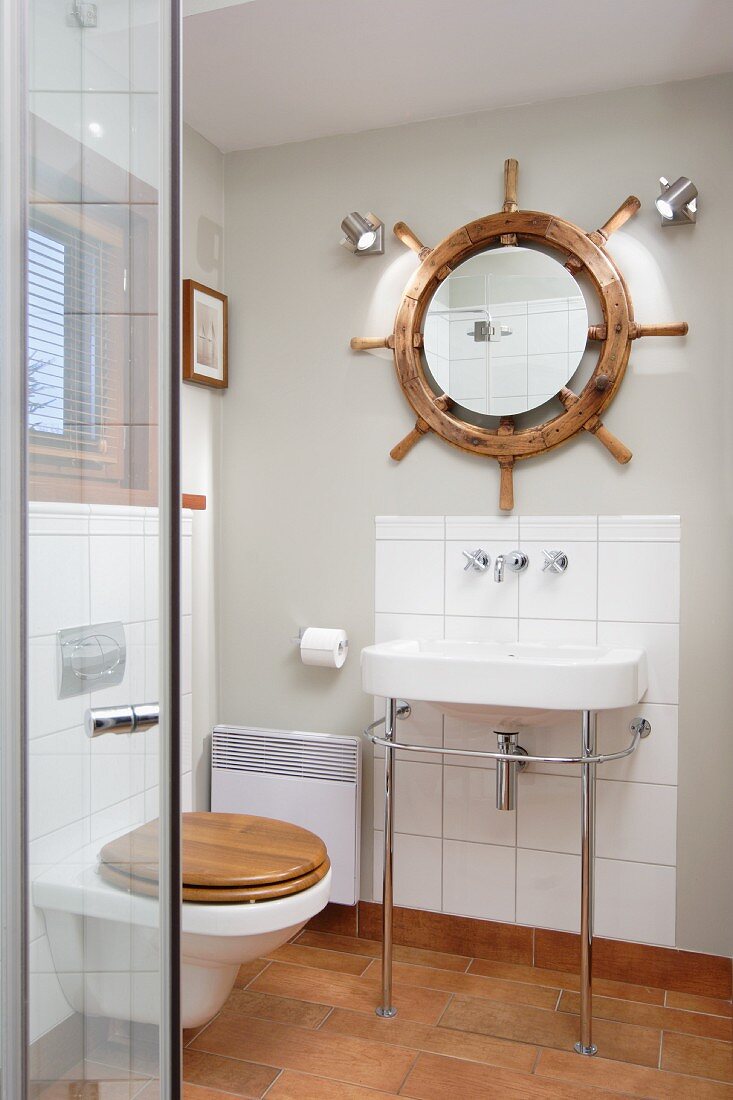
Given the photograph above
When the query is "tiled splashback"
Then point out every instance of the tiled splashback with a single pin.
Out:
(454, 851)
(92, 564)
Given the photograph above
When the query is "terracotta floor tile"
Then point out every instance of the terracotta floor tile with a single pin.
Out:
(479, 939)
(496, 989)
(653, 1084)
(692, 1003)
(300, 1086)
(354, 1061)
(434, 1078)
(434, 1040)
(420, 956)
(665, 1019)
(336, 918)
(283, 1010)
(301, 955)
(535, 1026)
(250, 970)
(227, 1074)
(701, 1057)
(562, 979)
(345, 991)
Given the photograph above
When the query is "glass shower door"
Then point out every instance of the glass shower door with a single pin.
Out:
(93, 434)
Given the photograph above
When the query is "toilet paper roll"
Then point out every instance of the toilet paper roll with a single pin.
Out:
(324, 647)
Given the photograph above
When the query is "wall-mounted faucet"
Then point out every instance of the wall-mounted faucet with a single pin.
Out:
(514, 560)
(556, 561)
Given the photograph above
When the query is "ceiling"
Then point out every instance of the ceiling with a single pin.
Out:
(266, 72)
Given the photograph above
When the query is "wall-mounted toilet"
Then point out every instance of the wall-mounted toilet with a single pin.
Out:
(249, 885)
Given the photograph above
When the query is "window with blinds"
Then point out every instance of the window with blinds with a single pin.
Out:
(83, 444)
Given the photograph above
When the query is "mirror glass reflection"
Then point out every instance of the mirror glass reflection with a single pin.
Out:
(505, 331)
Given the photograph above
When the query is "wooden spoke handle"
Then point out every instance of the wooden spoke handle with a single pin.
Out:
(400, 449)
(506, 484)
(403, 232)
(511, 177)
(595, 426)
(626, 210)
(367, 343)
(618, 449)
(677, 328)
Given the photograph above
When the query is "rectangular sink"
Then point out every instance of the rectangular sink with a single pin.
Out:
(485, 676)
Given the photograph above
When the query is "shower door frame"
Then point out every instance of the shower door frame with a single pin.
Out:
(14, 872)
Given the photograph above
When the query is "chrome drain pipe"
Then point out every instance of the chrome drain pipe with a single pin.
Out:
(506, 770)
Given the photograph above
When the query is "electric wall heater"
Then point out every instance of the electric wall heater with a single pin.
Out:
(309, 779)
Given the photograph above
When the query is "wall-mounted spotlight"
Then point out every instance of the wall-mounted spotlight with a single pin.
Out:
(678, 202)
(364, 234)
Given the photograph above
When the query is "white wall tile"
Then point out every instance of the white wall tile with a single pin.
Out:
(661, 642)
(187, 575)
(639, 528)
(568, 595)
(512, 345)
(392, 628)
(546, 374)
(417, 870)
(481, 529)
(508, 376)
(475, 734)
(548, 814)
(469, 808)
(639, 581)
(409, 527)
(467, 378)
(471, 628)
(58, 791)
(548, 890)
(547, 333)
(423, 727)
(563, 631)
(655, 760)
(506, 406)
(474, 593)
(418, 798)
(106, 50)
(409, 577)
(636, 821)
(46, 712)
(117, 578)
(53, 606)
(635, 901)
(479, 880)
(106, 155)
(560, 529)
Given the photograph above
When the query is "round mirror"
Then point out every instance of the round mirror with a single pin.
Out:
(505, 331)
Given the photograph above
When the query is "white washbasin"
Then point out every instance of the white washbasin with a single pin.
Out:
(485, 677)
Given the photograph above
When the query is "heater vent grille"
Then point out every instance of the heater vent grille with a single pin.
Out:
(286, 753)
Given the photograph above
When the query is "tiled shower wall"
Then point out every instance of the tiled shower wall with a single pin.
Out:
(454, 852)
(92, 564)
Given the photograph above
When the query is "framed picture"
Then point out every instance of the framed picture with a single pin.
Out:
(205, 359)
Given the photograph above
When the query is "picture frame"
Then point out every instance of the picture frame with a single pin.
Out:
(205, 335)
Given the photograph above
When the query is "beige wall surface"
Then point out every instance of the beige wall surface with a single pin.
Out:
(307, 425)
(202, 259)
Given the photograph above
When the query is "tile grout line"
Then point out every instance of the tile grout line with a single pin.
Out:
(273, 1082)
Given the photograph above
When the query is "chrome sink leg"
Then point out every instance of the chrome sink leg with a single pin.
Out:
(387, 1009)
(585, 1044)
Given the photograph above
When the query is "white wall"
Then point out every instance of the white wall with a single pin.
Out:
(307, 425)
(202, 259)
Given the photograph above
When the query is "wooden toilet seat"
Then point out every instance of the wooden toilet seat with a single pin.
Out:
(226, 859)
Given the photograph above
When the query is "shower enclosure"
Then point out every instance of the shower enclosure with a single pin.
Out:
(89, 535)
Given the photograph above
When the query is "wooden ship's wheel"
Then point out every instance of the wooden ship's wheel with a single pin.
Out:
(583, 252)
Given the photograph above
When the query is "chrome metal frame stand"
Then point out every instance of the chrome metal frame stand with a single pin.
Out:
(640, 728)
(585, 1044)
(387, 1009)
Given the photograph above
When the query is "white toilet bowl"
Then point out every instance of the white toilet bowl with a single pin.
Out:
(104, 943)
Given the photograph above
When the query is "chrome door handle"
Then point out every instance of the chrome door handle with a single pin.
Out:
(122, 719)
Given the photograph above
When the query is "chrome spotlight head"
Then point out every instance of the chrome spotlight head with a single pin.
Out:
(364, 234)
(677, 202)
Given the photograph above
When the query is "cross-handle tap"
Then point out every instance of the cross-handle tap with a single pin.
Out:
(476, 559)
(514, 560)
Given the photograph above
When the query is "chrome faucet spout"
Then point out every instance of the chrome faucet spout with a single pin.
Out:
(514, 560)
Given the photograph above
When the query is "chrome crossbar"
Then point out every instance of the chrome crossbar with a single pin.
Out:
(596, 758)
